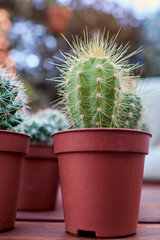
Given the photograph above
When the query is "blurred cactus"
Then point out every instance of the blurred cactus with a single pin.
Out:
(12, 100)
(41, 125)
(97, 87)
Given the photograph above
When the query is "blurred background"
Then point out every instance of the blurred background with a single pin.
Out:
(30, 35)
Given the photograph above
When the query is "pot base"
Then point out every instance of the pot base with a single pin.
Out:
(7, 229)
(94, 234)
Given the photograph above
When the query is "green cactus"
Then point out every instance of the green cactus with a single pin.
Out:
(129, 112)
(97, 87)
(41, 125)
(12, 100)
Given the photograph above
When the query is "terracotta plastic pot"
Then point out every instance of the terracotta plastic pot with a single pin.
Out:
(101, 173)
(39, 180)
(13, 147)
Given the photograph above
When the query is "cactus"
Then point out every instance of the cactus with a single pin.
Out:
(129, 112)
(97, 87)
(41, 125)
(12, 100)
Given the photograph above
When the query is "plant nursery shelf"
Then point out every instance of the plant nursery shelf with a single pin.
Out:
(49, 224)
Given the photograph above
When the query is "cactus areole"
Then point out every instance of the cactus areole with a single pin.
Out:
(101, 162)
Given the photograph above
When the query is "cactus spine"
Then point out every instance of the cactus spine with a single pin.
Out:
(95, 87)
(12, 100)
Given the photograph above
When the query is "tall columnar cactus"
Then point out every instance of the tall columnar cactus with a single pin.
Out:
(12, 100)
(96, 85)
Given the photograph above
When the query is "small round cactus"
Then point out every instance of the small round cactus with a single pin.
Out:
(41, 125)
(97, 87)
(129, 112)
(13, 100)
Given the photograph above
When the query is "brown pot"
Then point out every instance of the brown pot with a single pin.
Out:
(101, 173)
(39, 179)
(13, 147)
(58, 18)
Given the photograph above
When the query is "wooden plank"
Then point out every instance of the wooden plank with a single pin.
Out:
(53, 230)
(44, 216)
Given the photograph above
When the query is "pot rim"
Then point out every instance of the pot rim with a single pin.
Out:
(13, 132)
(16, 142)
(41, 151)
(34, 144)
(101, 140)
(101, 129)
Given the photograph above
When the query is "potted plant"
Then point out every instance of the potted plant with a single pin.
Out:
(58, 16)
(39, 181)
(100, 161)
(13, 146)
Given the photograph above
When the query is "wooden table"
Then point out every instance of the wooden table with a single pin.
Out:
(50, 225)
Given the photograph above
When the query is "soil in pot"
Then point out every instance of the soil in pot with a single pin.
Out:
(13, 148)
(39, 180)
(101, 172)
